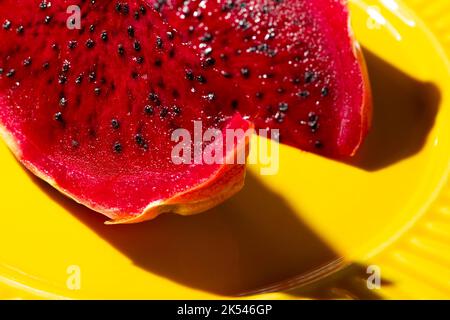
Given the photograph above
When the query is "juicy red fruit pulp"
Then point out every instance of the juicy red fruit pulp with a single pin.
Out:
(293, 60)
(98, 105)
(94, 109)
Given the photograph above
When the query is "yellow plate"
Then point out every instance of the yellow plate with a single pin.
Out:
(318, 225)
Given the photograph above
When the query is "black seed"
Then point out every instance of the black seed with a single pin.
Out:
(65, 66)
(318, 144)
(92, 76)
(139, 140)
(47, 19)
(120, 49)
(79, 79)
(62, 79)
(191, 29)
(97, 91)
(7, 25)
(176, 110)
(312, 116)
(148, 109)
(325, 91)
(309, 76)
(90, 43)
(55, 46)
(137, 46)
(189, 75)
(228, 5)
(63, 102)
(201, 79)
(269, 35)
(19, 29)
(117, 147)
(153, 97)
(45, 65)
(72, 44)
(207, 37)
(130, 31)
(279, 117)
(259, 95)
(58, 117)
(170, 35)
(1, 70)
(159, 42)
(245, 72)
(92, 28)
(140, 60)
(313, 127)
(11, 73)
(104, 36)
(163, 112)
(115, 124)
(226, 74)
(263, 47)
(209, 62)
(313, 122)
(244, 24)
(210, 97)
(303, 94)
(171, 52)
(118, 7)
(43, 5)
(142, 9)
(234, 104)
(136, 15)
(283, 106)
(27, 62)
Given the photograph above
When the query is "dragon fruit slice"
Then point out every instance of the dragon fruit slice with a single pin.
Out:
(92, 110)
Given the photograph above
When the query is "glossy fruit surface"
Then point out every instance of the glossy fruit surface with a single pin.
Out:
(92, 109)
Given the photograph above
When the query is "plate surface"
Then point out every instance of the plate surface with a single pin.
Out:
(310, 231)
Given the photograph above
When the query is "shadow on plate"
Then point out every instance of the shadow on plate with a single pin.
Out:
(404, 112)
(255, 241)
(245, 245)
